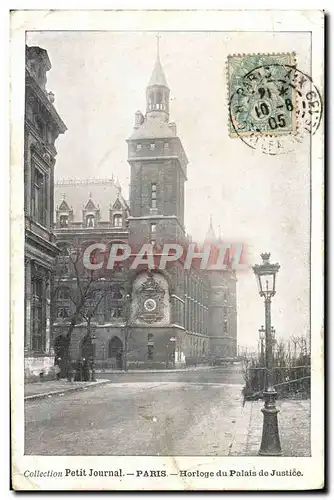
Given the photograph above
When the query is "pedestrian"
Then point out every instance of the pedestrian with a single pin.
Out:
(57, 368)
(85, 370)
(78, 371)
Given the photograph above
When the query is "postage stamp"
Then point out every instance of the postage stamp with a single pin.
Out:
(262, 96)
(273, 105)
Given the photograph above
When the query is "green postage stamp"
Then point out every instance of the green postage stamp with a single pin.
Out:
(261, 94)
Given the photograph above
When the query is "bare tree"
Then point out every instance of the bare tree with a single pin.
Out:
(87, 288)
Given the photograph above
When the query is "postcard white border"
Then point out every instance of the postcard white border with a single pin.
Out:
(312, 467)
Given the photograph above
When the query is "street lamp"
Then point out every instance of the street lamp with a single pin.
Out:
(173, 340)
(127, 330)
(170, 345)
(274, 341)
(265, 274)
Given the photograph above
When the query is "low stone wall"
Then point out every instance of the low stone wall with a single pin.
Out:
(38, 368)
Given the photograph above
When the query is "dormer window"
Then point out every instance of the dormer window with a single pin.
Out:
(117, 220)
(63, 221)
(138, 147)
(90, 221)
(166, 145)
(152, 146)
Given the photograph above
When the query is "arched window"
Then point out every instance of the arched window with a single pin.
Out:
(90, 221)
(117, 220)
(115, 347)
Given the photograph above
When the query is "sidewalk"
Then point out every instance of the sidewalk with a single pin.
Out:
(164, 370)
(294, 423)
(38, 390)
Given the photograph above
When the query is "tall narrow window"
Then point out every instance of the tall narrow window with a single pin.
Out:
(37, 319)
(90, 221)
(150, 347)
(38, 197)
(153, 195)
(63, 221)
(153, 228)
(118, 220)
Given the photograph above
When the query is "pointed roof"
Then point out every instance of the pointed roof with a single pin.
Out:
(64, 206)
(158, 75)
(210, 235)
(117, 205)
(90, 205)
(78, 191)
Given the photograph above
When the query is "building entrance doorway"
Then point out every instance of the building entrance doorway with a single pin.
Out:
(115, 352)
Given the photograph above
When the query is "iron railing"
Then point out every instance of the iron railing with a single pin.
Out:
(289, 381)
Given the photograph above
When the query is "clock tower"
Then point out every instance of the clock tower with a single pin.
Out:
(158, 169)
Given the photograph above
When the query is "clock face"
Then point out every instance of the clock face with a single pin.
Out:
(150, 305)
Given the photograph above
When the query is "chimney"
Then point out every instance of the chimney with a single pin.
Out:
(139, 119)
(172, 126)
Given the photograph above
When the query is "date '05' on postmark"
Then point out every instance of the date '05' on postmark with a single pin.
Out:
(262, 97)
(272, 104)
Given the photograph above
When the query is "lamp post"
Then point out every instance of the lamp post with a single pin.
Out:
(262, 339)
(266, 277)
(170, 349)
(127, 330)
(274, 342)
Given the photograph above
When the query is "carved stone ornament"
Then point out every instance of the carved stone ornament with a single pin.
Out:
(150, 301)
(42, 152)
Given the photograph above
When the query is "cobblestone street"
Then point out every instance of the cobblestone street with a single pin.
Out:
(197, 412)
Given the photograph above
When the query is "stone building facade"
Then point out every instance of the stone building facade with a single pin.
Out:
(42, 127)
(148, 318)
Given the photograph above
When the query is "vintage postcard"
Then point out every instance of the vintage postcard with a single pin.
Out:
(167, 250)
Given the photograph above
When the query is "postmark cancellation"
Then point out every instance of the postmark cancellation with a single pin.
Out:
(261, 94)
(270, 98)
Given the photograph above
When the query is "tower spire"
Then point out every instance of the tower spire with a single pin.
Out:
(157, 91)
(210, 235)
(158, 45)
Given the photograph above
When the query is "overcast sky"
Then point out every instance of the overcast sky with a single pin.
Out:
(99, 80)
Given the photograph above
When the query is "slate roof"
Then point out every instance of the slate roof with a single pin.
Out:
(152, 128)
(103, 193)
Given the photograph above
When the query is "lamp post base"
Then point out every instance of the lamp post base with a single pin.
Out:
(270, 444)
